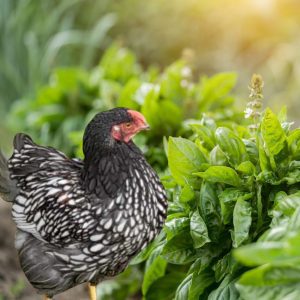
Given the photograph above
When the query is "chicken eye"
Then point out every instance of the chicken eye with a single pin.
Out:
(128, 125)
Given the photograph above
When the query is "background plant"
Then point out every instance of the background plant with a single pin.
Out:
(249, 36)
(62, 108)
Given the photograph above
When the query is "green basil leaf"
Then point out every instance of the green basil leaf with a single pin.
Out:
(241, 222)
(294, 143)
(288, 204)
(274, 137)
(154, 271)
(179, 250)
(289, 291)
(198, 230)
(232, 146)
(264, 160)
(187, 194)
(228, 198)
(200, 281)
(210, 210)
(226, 290)
(221, 174)
(272, 133)
(176, 226)
(182, 292)
(217, 157)
(184, 159)
(247, 168)
(226, 265)
(205, 134)
(165, 287)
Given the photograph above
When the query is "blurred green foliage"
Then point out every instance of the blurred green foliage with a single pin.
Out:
(37, 36)
(61, 109)
(245, 36)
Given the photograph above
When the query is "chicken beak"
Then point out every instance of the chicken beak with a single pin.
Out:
(145, 127)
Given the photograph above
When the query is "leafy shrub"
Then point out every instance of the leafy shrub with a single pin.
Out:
(73, 96)
(234, 206)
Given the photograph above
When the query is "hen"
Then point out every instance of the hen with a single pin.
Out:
(81, 221)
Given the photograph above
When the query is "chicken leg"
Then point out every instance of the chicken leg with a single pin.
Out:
(92, 291)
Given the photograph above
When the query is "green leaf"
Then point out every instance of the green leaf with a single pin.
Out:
(164, 116)
(165, 287)
(294, 143)
(217, 157)
(170, 116)
(187, 194)
(182, 292)
(247, 168)
(226, 290)
(68, 79)
(49, 95)
(272, 133)
(252, 150)
(154, 271)
(176, 225)
(273, 136)
(288, 204)
(264, 160)
(205, 255)
(268, 275)
(268, 177)
(198, 230)
(267, 279)
(279, 292)
(232, 146)
(184, 159)
(200, 281)
(145, 253)
(221, 174)
(210, 210)
(179, 250)
(226, 265)
(259, 253)
(282, 115)
(241, 222)
(292, 177)
(228, 198)
(205, 134)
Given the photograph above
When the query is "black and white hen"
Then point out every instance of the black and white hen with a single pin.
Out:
(80, 221)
